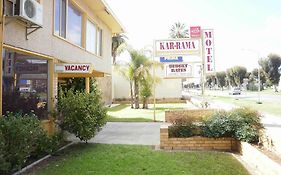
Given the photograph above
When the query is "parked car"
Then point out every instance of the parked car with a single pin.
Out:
(235, 91)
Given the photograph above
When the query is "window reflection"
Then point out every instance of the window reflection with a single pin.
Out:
(25, 84)
(74, 24)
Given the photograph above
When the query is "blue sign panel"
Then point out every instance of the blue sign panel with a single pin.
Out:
(171, 59)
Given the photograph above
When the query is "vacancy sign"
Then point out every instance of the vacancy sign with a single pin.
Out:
(176, 47)
(208, 50)
(72, 68)
(178, 70)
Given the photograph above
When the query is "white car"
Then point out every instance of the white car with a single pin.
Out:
(235, 91)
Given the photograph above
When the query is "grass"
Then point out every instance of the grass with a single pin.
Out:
(266, 107)
(97, 159)
(125, 112)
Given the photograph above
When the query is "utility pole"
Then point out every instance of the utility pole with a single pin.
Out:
(2, 23)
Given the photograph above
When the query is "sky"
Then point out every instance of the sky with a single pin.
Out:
(244, 30)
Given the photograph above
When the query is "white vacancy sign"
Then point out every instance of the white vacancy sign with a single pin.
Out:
(72, 68)
(178, 70)
(208, 46)
(177, 47)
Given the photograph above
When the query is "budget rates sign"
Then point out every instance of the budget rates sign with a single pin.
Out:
(178, 70)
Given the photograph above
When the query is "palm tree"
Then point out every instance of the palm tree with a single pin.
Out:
(179, 30)
(127, 72)
(118, 45)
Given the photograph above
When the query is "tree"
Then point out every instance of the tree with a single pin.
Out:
(146, 91)
(230, 77)
(270, 66)
(118, 45)
(141, 66)
(211, 80)
(127, 72)
(178, 30)
(221, 79)
(236, 75)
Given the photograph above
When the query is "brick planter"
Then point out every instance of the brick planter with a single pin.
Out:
(196, 143)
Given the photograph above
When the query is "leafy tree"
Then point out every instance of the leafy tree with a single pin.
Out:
(230, 77)
(236, 75)
(118, 45)
(221, 79)
(211, 80)
(178, 30)
(270, 66)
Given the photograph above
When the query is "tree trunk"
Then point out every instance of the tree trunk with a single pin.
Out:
(275, 88)
(137, 105)
(131, 93)
(143, 104)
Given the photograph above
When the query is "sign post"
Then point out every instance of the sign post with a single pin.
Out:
(2, 22)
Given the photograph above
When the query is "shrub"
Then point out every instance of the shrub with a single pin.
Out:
(185, 127)
(81, 113)
(21, 137)
(242, 124)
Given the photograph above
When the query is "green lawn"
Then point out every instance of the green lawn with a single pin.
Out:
(98, 159)
(124, 111)
(266, 107)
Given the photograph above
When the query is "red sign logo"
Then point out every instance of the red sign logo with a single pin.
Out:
(195, 32)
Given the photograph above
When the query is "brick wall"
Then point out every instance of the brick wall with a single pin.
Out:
(196, 114)
(195, 143)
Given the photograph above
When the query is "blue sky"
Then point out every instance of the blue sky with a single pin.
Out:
(239, 25)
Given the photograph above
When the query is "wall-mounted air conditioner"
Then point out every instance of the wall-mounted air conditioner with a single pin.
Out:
(29, 10)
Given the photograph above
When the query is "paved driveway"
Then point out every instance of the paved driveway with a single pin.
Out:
(135, 133)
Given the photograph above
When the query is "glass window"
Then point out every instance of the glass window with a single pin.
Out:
(74, 25)
(99, 43)
(60, 18)
(25, 84)
(91, 37)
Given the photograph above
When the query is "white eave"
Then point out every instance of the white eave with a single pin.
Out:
(103, 11)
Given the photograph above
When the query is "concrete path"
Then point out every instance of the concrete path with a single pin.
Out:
(133, 133)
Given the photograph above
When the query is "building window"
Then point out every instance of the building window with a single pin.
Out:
(25, 84)
(72, 30)
(60, 18)
(99, 42)
(91, 39)
(74, 25)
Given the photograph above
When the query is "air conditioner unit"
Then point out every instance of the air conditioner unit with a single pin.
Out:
(29, 11)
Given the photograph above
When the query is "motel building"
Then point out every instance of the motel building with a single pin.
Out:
(45, 41)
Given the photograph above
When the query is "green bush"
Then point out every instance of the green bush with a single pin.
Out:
(241, 123)
(20, 138)
(48, 144)
(81, 113)
(185, 127)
